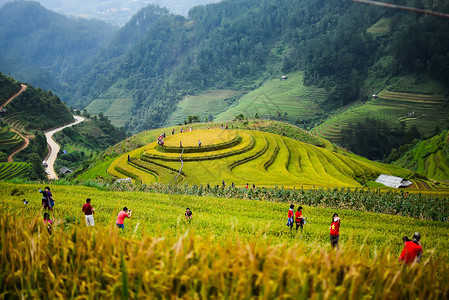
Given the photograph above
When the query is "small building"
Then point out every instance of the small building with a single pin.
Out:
(3, 112)
(393, 181)
(411, 114)
(375, 96)
(283, 77)
(65, 170)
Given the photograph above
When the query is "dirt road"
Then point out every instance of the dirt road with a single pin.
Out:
(24, 87)
(54, 147)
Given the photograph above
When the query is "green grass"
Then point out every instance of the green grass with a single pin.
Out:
(210, 103)
(277, 97)
(114, 104)
(249, 220)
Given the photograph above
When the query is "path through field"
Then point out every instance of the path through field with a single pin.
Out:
(25, 143)
(24, 87)
(53, 147)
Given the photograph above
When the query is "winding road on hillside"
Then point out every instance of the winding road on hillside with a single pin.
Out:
(53, 147)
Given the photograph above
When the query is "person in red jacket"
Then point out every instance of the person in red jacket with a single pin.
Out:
(299, 219)
(290, 214)
(335, 230)
(412, 249)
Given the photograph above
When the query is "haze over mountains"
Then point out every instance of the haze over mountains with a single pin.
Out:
(115, 12)
(337, 53)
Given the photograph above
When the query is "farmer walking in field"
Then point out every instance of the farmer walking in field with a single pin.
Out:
(335, 231)
(89, 213)
(290, 217)
(412, 249)
(299, 219)
(199, 143)
(120, 222)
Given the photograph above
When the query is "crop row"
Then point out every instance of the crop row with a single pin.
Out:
(246, 145)
(208, 148)
(14, 170)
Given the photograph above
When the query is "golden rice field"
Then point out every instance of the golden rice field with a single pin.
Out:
(232, 249)
(246, 156)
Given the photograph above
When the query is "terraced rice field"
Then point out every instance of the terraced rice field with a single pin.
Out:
(245, 156)
(9, 140)
(426, 112)
(287, 99)
(381, 27)
(14, 170)
(14, 120)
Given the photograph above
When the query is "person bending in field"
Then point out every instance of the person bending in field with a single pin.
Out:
(120, 222)
(188, 214)
(412, 249)
(48, 222)
(89, 213)
(299, 219)
(290, 217)
(335, 231)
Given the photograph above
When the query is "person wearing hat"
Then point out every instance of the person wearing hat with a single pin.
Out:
(412, 249)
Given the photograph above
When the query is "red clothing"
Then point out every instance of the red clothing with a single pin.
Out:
(335, 228)
(87, 209)
(290, 213)
(410, 252)
(298, 216)
(121, 217)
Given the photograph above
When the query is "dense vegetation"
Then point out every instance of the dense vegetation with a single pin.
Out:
(48, 50)
(230, 248)
(429, 157)
(238, 44)
(38, 109)
(84, 141)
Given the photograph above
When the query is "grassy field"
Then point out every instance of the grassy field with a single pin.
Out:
(232, 248)
(210, 103)
(429, 157)
(427, 105)
(115, 104)
(382, 27)
(287, 99)
(261, 158)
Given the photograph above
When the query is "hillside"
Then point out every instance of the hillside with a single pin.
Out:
(429, 157)
(345, 58)
(48, 50)
(404, 104)
(248, 152)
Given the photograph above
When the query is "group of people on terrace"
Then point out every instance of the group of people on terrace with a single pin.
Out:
(412, 248)
(412, 251)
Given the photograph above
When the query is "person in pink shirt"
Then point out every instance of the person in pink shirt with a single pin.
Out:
(120, 222)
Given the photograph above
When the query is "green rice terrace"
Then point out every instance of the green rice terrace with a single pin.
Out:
(392, 106)
(429, 157)
(243, 156)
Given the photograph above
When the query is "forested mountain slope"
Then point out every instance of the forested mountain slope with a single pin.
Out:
(239, 44)
(34, 38)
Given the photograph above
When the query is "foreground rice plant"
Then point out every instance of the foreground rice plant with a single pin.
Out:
(100, 264)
